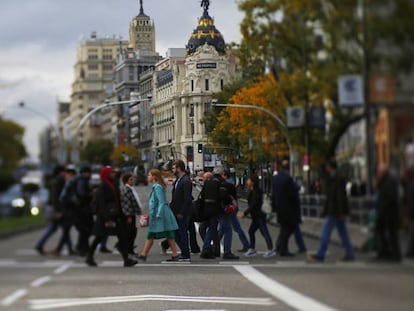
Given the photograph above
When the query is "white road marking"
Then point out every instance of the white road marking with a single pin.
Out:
(44, 304)
(9, 300)
(288, 296)
(62, 269)
(40, 281)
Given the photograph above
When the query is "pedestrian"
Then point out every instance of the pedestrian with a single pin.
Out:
(286, 203)
(131, 207)
(109, 218)
(235, 223)
(215, 198)
(388, 217)
(55, 217)
(162, 222)
(255, 202)
(180, 204)
(410, 204)
(68, 202)
(83, 214)
(335, 211)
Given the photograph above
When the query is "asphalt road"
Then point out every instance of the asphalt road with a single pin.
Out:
(29, 281)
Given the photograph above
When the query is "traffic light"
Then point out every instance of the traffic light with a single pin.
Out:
(158, 153)
(200, 148)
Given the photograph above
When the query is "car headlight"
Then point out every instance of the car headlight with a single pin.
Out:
(34, 211)
(18, 203)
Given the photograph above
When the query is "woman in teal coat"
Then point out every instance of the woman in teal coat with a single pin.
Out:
(162, 222)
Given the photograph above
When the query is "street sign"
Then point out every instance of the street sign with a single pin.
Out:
(295, 117)
(351, 90)
(317, 117)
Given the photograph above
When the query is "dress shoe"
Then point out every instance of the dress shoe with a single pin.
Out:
(315, 258)
(130, 262)
(230, 256)
(40, 250)
(173, 258)
(287, 254)
(90, 262)
(54, 252)
(207, 256)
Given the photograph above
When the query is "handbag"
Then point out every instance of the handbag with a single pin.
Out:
(143, 220)
(267, 204)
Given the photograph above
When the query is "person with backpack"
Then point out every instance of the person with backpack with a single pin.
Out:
(216, 197)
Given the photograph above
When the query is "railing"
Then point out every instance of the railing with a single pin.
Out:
(359, 207)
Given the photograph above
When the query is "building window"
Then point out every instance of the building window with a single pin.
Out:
(221, 84)
(207, 85)
(192, 85)
(93, 67)
(92, 57)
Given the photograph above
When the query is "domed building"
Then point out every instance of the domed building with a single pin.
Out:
(184, 85)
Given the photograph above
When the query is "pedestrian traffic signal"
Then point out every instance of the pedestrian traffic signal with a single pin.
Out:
(158, 153)
(200, 148)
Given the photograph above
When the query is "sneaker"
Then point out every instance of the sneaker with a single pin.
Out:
(315, 258)
(230, 256)
(270, 253)
(250, 252)
(130, 262)
(142, 257)
(184, 259)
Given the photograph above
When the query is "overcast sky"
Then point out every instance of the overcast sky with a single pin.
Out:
(39, 38)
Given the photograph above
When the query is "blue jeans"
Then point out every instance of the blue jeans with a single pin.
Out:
(226, 232)
(259, 223)
(182, 236)
(329, 224)
(51, 228)
(299, 239)
(234, 220)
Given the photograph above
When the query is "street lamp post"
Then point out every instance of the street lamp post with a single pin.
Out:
(281, 124)
(86, 117)
(62, 153)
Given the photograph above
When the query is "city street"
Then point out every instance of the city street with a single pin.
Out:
(29, 281)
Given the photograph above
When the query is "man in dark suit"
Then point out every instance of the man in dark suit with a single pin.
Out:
(181, 207)
(286, 203)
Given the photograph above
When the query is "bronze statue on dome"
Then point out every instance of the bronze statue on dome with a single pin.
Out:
(205, 4)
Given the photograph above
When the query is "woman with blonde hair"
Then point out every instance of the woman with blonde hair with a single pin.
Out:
(162, 222)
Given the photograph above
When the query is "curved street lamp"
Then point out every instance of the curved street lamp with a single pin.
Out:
(86, 117)
(62, 153)
(281, 124)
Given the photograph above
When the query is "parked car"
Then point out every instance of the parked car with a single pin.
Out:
(13, 201)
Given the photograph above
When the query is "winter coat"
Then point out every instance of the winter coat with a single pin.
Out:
(336, 203)
(255, 202)
(161, 218)
(182, 196)
(285, 199)
(129, 204)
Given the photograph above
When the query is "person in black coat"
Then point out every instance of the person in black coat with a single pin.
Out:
(286, 203)
(255, 202)
(109, 218)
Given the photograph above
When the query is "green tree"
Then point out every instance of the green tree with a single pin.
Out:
(125, 155)
(12, 150)
(98, 151)
(316, 41)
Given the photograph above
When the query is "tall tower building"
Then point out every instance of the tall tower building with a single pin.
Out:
(94, 67)
(142, 33)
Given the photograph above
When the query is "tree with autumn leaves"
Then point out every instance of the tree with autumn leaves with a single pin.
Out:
(305, 45)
